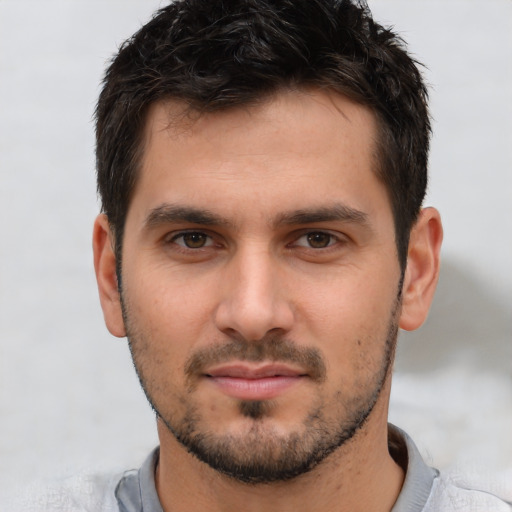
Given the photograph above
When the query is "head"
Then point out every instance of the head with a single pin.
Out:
(220, 55)
(261, 166)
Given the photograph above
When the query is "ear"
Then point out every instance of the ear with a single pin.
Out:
(422, 270)
(106, 277)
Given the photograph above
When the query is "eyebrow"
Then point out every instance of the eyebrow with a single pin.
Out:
(168, 214)
(335, 212)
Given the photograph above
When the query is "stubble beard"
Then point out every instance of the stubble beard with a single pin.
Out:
(261, 455)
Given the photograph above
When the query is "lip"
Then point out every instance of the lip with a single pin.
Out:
(247, 382)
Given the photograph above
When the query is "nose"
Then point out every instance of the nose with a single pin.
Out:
(253, 300)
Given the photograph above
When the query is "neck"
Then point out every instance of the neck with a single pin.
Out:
(359, 476)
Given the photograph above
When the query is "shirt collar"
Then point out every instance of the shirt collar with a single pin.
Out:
(136, 491)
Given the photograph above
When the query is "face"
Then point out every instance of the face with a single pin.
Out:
(260, 280)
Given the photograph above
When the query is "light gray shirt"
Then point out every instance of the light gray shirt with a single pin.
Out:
(424, 489)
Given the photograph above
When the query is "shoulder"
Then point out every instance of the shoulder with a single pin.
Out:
(81, 493)
(455, 493)
(133, 489)
(425, 489)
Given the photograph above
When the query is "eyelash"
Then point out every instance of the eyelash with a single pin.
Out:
(333, 240)
(183, 234)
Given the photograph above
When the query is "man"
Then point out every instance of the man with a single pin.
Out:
(262, 166)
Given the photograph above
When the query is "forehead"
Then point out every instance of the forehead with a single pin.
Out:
(291, 113)
(295, 147)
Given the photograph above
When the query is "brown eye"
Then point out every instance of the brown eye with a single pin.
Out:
(319, 240)
(192, 240)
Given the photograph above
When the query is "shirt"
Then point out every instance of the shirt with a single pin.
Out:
(424, 490)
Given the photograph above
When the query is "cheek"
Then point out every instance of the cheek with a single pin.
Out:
(350, 324)
(166, 297)
(165, 322)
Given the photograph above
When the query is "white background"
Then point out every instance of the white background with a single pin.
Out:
(69, 399)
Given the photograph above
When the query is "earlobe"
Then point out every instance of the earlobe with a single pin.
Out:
(422, 270)
(106, 277)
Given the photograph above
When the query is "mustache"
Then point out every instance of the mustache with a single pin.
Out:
(270, 348)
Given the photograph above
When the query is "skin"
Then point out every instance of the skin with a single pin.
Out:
(272, 260)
